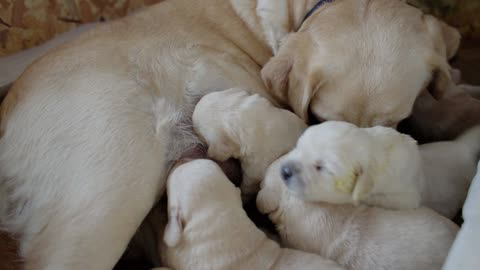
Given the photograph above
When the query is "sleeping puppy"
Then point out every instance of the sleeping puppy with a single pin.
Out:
(449, 168)
(338, 162)
(361, 238)
(120, 99)
(208, 228)
(445, 119)
(247, 127)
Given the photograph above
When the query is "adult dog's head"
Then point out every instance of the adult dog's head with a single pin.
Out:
(361, 61)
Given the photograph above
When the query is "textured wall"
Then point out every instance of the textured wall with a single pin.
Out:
(25, 23)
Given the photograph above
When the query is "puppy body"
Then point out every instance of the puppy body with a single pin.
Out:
(208, 228)
(439, 120)
(449, 168)
(380, 167)
(338, 162)
(357, 237)
(247, 127)
(105, 115)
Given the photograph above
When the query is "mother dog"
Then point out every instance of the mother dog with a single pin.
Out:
(89, 131)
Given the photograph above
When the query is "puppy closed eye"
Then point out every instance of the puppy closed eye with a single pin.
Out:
(318, 167)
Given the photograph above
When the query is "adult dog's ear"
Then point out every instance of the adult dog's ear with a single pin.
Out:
(275, 75)
(174, 229)
(445, 41)
(279, 78)
(445, 38)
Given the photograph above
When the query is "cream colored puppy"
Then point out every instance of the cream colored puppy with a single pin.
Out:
(361, 238)
(338, 162)
(208, 228)
(247, 127)
(449, 168)
(105, 115)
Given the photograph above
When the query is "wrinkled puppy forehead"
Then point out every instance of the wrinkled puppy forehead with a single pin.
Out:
(327, 132)
(194, 177)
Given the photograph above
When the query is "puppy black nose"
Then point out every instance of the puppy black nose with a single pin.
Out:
(288, 171)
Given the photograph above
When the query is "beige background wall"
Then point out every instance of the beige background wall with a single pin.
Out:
(25, 23)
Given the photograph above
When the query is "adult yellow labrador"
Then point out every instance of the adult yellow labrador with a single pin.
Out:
(89, 131)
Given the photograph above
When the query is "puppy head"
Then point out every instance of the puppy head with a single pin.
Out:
(211, 122)
(191, 186)
(338, 162)
(362, 62)
(325, 164)
(271, 189)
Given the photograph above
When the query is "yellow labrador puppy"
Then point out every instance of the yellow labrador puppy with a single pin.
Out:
(445, 119)
(89, 131)
(208, 228)
(247, 127)
(338, 162)
(362, 238)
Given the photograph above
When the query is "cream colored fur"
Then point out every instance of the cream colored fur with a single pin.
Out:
(208, 228)
(449, 168)
(235, 124)
(463, 254)
(89, 131)
(337, 162)
(361, 238)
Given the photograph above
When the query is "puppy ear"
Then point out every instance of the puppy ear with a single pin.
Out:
(174, 229)
(363, 186)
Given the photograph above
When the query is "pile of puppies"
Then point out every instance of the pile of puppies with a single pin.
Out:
(341, 197)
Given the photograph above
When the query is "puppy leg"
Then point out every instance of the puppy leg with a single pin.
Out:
(250, 180)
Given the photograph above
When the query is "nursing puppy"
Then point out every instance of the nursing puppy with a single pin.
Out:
(208, 228)
(445, 119)
(338, 162)
(247, 127)
(105, 115)
(449, 168)
(362, 238)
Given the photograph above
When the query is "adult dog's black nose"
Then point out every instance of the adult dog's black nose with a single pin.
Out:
(288, 171)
